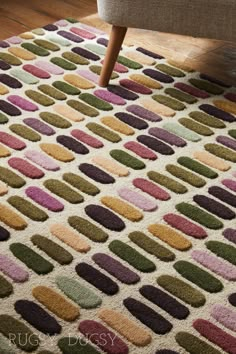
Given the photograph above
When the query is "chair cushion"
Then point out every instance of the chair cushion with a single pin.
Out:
(199, 18)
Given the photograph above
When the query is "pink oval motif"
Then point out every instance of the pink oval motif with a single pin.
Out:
(89, 75)
(22, 103)
(13, 270)
(86, 138)
(109, 97)
(44, 199)
(216, 335)
(225, 316)
(11, 141)
(49, 67)
(36, 71)
(151, 188)
(61, 23)
(184, 225)
(14, 40)
(26, 168)
(229, 183)
(140, 150)
(215, 264)
(94, 330)
(82, 33)
(42, 160)
(137, 199)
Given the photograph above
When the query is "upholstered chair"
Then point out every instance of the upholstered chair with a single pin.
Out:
(198, 18)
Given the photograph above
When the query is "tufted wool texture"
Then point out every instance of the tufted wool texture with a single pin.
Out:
(117, 204)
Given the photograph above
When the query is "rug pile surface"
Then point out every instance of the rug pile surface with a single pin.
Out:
(117, 205)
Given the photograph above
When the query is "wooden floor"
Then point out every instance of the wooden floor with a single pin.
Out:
(210, 56)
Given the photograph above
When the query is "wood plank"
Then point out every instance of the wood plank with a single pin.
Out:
(205, 55)
(9, 26)
(37, 13)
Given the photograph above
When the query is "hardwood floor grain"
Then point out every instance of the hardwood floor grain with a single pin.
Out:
(211, 56)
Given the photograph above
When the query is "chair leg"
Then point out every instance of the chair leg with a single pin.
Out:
(115, 42)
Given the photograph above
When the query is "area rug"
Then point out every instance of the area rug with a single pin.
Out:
(117, 207)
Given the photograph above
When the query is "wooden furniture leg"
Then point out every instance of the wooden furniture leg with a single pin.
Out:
(115, 42)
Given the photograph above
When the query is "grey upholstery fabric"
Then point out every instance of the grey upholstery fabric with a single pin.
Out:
(198, 18)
